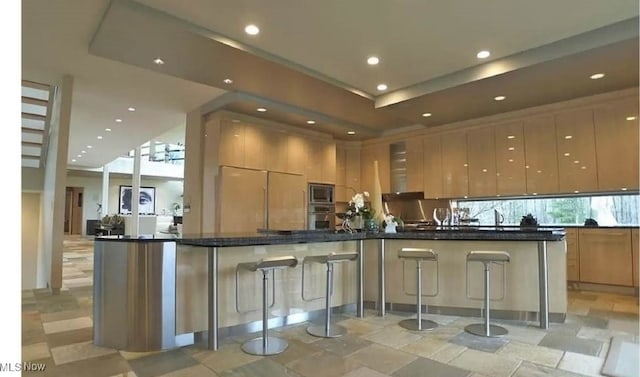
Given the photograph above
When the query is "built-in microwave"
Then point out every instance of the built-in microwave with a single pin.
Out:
(321, 194)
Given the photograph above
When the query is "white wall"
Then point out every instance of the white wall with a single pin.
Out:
(167, 192)
(31, 241)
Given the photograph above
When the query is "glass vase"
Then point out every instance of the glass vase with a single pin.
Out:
(371, 225)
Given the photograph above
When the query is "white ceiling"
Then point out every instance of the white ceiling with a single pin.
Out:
(427, 51)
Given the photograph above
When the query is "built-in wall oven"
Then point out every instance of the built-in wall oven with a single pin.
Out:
(321, 207)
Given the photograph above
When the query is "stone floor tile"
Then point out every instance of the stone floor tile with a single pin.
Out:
(229, 356)
(448, 353)
(573, 344)
(102, 366)
(65, 314)
(161, 363)
(78, 351)
(525, 334)
(393, 336)
(323, 364)
(359, 327)
(296, 350)
(479, 343)
(441, 332)
(125, 374)
(194, 371)
(35, 351)
(425, 347)
(388, 320)
(381, 358)
(590, 321)
(418, 367)
(298, 333)
(626, 308)
(603, 335)
(534, 370)
(582, 364)
(364, 372)
(69, 337)
(261, 368)
(136, 355)
(486, 363)
(343, 346)
(67, 325)
(539, 355)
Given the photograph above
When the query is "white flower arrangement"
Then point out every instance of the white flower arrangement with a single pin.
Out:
(359, 205)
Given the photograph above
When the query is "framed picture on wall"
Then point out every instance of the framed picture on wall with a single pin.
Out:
(147, 203)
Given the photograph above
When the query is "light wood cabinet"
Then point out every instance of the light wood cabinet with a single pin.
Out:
(575, 140)
(617, 144)
(341, 175)
(481, 154)
(510, 171)
(573, 255)
(415, 164)
(635, 239)
(455, 176)
(329, 162)
(605, 256)
(315, 161)
(242, 200)
(275, 151)
(369, 154)
(432, 177)
(352, 179)
(254, 147)
(541, 160)
(231, 144)
(287, 201)
(296, 154)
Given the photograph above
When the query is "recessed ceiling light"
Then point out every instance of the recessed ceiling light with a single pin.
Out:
(73, 160)
(373, 60)
(351, 132)
(158, 61)
(511, 160)
(511, 137)
(567, 154)
(597, 76)
(577, 192)
(576, 161)
(83, 151)
(382, 87)
(89, 146)
(632, 118)
(426, 115)
(484, 170)
(261, 109)
(499, 98)
(311, 122)
(568, 137)
(158, 142)
(118, 120)
(108, 129)
(79, 155)
(251, 29)
(465, 165)
(483, 54)
(512, 148)
(624, 189)
(583, 167)
(132, 109)
(227, 81)
(99, 137)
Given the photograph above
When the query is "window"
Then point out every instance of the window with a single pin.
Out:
(607, 210)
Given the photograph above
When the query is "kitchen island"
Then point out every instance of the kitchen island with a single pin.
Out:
(212, 299)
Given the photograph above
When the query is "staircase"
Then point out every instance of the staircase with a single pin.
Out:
(36, 109)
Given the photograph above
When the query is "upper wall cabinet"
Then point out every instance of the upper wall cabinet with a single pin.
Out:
(541, 160)
(616, 129)
(231, 145)
(321, 161)
(455, 176)
(254, 147)
(432, 177)
(576, 151)
(296, 154)
(415, 164)
(481, 153)
(510, 171)
(275, 148)
(369, 154)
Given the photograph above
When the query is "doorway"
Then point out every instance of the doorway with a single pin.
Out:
(73, 210)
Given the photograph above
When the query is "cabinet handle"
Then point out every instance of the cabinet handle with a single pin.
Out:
(266, 208)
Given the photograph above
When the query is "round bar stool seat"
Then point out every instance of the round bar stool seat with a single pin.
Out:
(418, 255)
(327, 330)
(487, 257)
(266, 345)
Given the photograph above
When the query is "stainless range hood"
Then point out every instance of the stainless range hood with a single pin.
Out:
(412, 207)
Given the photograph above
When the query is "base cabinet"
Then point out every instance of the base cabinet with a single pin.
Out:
(573, 256)
(606, 256)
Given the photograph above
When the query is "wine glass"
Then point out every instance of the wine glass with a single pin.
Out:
(441, 216)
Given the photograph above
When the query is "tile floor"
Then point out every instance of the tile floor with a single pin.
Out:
(57, 331)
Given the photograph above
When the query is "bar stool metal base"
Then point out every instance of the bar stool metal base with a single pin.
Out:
(480, 330)
(274, 346)
(335, 331)
(412, 324)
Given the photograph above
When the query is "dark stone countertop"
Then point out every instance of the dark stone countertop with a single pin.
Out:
(313, 236)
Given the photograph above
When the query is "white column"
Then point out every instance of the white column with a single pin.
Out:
(135, 193)
(105, 192)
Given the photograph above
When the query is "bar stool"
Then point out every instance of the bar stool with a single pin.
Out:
(266, 345)
(418, 255)
(487, 257)
(326, 330)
